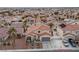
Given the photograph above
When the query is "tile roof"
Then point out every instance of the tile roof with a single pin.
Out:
(38, 27)
(3, 32)
(17, 24)
(71, 27)
(9, 19)
(19, 30)
(30, 30)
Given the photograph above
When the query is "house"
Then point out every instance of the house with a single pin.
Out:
(71, 31)
(3, 36)
(3, 32)
(71, 27)
(38, 30)
(18, 26)
(10, 19)
(42, 32)
(7, 43)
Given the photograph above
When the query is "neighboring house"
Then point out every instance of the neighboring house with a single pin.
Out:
(3, 32)
(71, 28)
(68, 36)
(10, 19)
(18, 26)
(19, 43)
(3, 36)
(71, 31)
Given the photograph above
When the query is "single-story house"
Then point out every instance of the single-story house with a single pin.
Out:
(41, 32)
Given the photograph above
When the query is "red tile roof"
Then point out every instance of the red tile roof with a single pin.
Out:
(38, 27)
(30, 30)
(17, 24)
(71, 27)
(19, 30)
(3, 32)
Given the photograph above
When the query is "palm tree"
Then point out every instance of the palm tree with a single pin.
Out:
(25, 25)
(51, 25)
(12, 34)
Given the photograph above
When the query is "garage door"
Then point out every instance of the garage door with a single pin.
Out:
(46, 42)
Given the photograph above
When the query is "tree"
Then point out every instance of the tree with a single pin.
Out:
(25, 25)
(12, 34)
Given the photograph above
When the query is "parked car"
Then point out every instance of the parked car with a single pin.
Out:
(72, 42)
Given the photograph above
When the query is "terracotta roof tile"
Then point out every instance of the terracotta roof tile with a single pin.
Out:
(3, 32)
(31, 30)
(71, 27)
(17, 24)
(38, 27)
